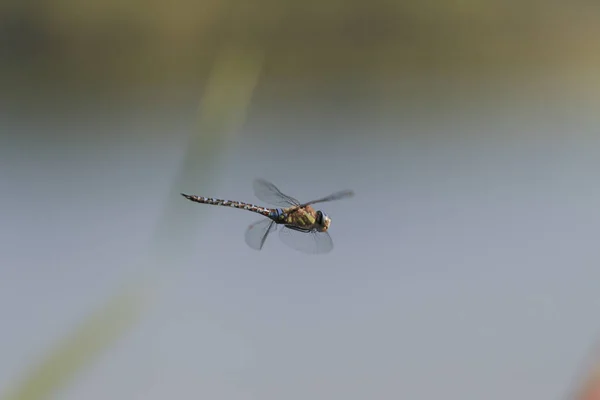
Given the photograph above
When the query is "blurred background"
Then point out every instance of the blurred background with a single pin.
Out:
(466, 266)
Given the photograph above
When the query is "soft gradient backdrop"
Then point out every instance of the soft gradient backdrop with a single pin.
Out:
(466, 266)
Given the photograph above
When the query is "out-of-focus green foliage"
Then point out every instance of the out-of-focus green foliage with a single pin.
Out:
(126, 44)
(78, 349)
(222, 111)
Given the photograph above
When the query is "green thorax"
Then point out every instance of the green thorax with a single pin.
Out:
(304, 218)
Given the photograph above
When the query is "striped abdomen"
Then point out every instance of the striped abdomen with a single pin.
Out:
(228, 203)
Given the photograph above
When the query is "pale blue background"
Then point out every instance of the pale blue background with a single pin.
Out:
(466, 266)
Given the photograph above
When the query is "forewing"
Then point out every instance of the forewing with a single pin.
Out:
(334, 196)
(269, 193)
(257, 233)
(311, 242)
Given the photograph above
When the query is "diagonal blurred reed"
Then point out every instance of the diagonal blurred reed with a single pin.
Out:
(80, 348)
(222, 112)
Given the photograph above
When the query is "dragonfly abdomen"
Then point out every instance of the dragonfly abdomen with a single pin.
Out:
(229, 203)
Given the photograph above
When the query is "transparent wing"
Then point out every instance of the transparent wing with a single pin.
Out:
(334, 196)
(257, 233)
(269, 193)
(312, 242)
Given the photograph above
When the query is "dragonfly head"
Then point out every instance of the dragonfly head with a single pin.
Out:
(323, 221)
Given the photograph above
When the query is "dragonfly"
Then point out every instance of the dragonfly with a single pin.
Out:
(302, 227)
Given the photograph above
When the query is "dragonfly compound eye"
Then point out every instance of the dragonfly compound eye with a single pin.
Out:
(323, 220)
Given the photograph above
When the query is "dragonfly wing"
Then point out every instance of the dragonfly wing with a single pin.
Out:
(257, 233)
(334, 196)
(312, 242)
(269, 193)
